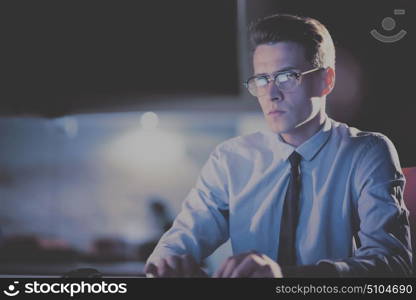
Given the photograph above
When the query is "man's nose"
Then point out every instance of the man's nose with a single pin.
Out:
(273, 92)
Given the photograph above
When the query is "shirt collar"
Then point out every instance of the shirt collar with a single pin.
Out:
(310, 147)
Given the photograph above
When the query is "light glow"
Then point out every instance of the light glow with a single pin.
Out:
(149, 120)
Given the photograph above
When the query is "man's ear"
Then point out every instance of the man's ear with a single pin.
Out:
(329, 81)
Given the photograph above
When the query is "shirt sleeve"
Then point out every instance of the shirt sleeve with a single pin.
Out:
(382, 229)
(202, 224)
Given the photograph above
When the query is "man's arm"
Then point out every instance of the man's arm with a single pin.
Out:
(383, 230)
(201, 226)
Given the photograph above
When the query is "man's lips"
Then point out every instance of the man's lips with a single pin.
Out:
(276, 112)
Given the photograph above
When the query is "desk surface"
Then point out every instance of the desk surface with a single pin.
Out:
(110, 269)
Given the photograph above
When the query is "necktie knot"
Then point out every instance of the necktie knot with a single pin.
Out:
(294, 159)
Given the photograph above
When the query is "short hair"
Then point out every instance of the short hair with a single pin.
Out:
(308, 32)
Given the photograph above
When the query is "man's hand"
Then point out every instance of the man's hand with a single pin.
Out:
(250, 264)
(175, 266)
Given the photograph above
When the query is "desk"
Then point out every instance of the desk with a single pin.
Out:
(110, 269)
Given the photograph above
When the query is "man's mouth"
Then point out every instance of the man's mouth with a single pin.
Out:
(276, 112)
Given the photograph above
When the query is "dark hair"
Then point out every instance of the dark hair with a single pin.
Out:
(308, 32)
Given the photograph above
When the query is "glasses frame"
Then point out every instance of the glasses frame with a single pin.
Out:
(273, 77)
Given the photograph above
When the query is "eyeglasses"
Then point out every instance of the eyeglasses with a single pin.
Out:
(286, 81)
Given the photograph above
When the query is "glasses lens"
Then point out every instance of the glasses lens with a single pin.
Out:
(257, 85)
(287, 81)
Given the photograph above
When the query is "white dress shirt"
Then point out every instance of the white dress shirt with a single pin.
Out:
(352, 213)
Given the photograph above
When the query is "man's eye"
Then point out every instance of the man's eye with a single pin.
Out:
(283, 77)
(261, 81)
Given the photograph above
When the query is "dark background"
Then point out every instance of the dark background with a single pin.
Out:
(70, 56)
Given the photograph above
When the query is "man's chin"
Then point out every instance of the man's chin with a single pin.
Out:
(278, 126)
(277, 129)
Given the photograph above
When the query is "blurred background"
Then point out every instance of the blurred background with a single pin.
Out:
(109, 109)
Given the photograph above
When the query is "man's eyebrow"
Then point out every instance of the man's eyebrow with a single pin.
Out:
(279, 71)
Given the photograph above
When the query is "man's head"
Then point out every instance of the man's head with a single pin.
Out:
(289, 43)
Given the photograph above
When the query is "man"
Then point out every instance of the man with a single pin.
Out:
(312, 197)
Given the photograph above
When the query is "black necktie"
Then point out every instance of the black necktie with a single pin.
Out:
(289, 221)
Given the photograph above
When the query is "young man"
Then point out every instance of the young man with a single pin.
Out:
(312, 197)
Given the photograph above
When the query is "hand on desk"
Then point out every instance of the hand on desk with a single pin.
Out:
(250, 264)
(175, 266)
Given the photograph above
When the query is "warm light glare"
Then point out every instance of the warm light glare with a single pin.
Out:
(149, 120)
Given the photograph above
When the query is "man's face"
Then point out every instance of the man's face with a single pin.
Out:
(298, 105)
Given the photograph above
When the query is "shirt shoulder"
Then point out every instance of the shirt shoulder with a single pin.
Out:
(355, 137)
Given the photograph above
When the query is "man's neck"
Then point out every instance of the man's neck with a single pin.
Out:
(301, 134)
